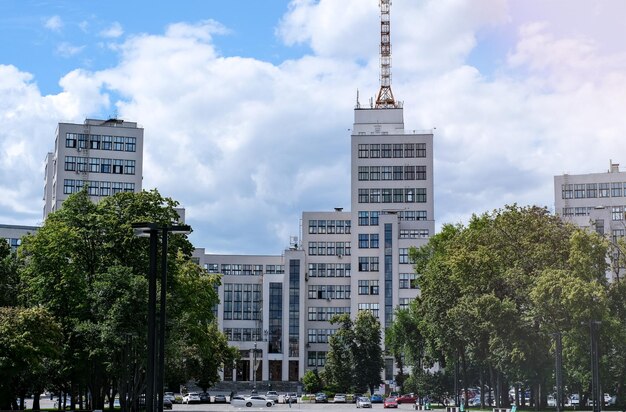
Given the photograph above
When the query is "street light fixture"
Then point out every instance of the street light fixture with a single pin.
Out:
(156, 361)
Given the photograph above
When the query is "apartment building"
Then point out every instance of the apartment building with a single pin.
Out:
(596, 201)
(106, 156)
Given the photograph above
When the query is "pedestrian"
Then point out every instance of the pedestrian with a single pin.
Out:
(289, 400)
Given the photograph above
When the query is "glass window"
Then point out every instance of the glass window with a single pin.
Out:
(579, 191)
(131, 144)
(363, 151)
(592, 190)
(409, 150)
(364, 173)
(363, 218)
(616, 189)
(375, 173)
(604, 190)
(94, 141)
(107, 143)
(386, 151)
(421, 150)
(387, 172)
(397, 150)
(375, 151)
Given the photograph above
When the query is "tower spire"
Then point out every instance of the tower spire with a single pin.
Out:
(385, 96)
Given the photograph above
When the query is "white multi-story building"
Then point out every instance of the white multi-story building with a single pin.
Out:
(14, 233)
(347, 261)
(106, 156)
(596, 201)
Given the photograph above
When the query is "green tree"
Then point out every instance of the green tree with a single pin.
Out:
(367, 351)
(339, 366)
(311, 381)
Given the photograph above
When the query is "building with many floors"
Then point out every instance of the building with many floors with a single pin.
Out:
(106, 156)
(596, 201)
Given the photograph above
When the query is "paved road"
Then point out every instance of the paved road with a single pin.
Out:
(305, 407)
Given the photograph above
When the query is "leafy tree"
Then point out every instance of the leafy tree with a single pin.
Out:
(366, 351)
(339, 367)
(311, 381)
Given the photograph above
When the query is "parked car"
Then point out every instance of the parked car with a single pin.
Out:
(170, 396)
(574, 400)
(204, 397)
(339, 398)
(249, 401)
(167, 403)
(377, 398)
(363, 402)
(291, 396)
(219, 399)
(407, 398)
(321, 398)
(390, 403)
(272, 395)
(191, 397)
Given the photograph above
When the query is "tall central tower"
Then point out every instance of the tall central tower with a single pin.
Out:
(392, 206)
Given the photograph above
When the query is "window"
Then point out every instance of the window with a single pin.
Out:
(386, 151)
(373, 218)
(375, 173)
(82, 141)
(117, 187)
(81, 164)
(617, 213)
(129, 167)
(107, 142)
(372, 307)
(94, 141)
(409, 195)
(398, 195)
(129, 187)
(397, 150)
(421, 215)
(397, 172)
(374, 195)
(579, 191)
(364, 173)
(118, 143)
(94, 165)
(374, 241)
(68, 186)
(375, 151)
(363, 241)
(403, 303)
(70, 163)
(70, 140)
(409, 150)
(93, 188)
(364, 288)
(364, 218)
(421, 173)
(105, 165)
(363, 151)
(364, 264)
(409, 172)
(421, 150)
(592, 190)
(420, 195)
(604, 190)
(312, 226)
(387, 172)
(567, 191)
(386, 195)
(404, 255)
(131, 144)
(118, 166)
(105, 188)
(407, 280)
(616, 189)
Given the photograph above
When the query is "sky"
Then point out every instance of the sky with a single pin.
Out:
(247, 105)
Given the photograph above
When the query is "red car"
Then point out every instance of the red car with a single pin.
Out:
(407, 398)
(390, 403)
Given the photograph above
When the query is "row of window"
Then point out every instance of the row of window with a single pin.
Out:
(316, 359)
(368, 241)
(617, 212)
(329, 226)
(243, 334)
(330, 249)
(325, 314)
(593, 190)
(329, 270)
(368, 264)
(101, 142)
(244, 270)
(411, 195)
(368, 287)
(367, 173)
(320, 335)
(368, 218)
(14, 243)
(329, 291)
(96, 188)
(412, 215)
(98, 165)
(242, 301)
(407, 281)
(392, 150)
(413, 233)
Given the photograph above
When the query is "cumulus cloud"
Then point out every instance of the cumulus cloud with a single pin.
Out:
(68, 50)
(53, 23)
(114, 31)
(246, 145)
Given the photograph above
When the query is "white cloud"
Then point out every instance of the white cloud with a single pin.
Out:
(68, 50)
(246, 145)
(114, 31)
(53, 23)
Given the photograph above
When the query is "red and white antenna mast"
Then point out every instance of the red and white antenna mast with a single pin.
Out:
(385, 96)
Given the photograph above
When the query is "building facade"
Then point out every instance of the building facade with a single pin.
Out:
(277, 309)
(106, 156)
(596, 201)
(13, 234)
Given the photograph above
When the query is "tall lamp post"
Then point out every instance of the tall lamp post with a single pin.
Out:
(156, 342)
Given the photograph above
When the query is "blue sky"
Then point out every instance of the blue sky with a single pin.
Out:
(246, 104)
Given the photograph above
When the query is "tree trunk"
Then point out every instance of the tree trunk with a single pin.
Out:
(464, 373)
(36, 405)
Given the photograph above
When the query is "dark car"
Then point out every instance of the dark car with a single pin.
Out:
(167, 403)
(321, 398)
(204, 397)
(407, 398)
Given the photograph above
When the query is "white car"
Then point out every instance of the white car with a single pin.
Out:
(339, 398)
(170, 396)
(191, 397)
(363, 402)
(250, 401)
(272, 395)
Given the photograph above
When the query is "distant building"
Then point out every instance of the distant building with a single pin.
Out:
(106, 156)
(14, 233)
(596, 201)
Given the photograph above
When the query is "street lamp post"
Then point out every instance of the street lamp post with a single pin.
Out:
(156, 342)
(558, 370)
(596, 392)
